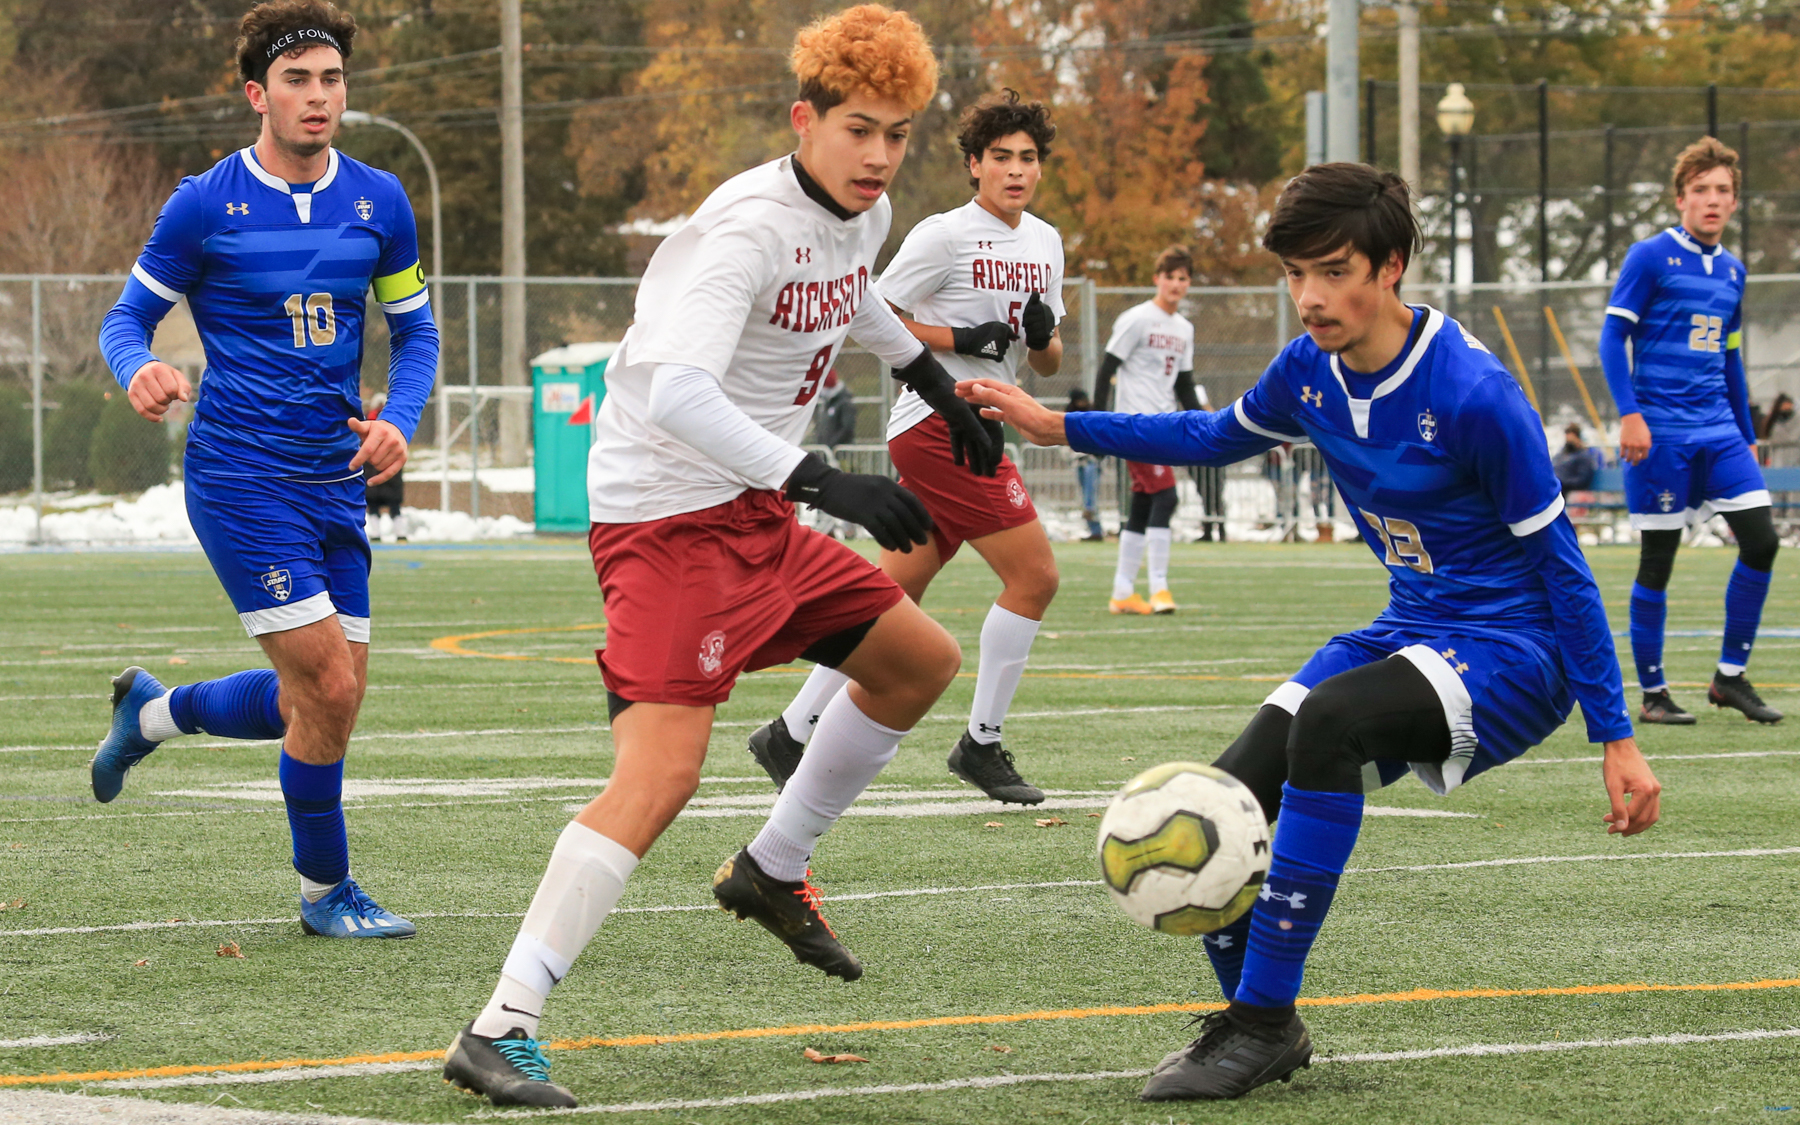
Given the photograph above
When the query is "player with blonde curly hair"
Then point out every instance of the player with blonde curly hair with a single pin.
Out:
(692, 482)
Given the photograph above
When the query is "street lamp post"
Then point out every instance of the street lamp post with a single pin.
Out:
(1455, 117)
(353, 118)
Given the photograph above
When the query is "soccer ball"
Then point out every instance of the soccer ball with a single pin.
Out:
(1184, 848)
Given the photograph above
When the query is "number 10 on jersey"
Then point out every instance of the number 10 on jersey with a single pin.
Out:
(313, 318)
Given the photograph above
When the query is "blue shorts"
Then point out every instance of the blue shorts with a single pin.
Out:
(1502, 695)
(288, 553)
(1667, 489)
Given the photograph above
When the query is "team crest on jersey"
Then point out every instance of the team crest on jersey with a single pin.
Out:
(237, 208)
(1734, 273)
(278, 583)
(364, 209)
(1015, 492)
(1428, 426)
(1666, 501)
(712, 653)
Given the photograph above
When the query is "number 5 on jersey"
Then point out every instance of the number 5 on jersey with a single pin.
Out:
(815, 376)
(313, 319)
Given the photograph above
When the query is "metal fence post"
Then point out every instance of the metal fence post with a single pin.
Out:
(1090, 334)
(37, 405)
(474, 413)
(1281, 316)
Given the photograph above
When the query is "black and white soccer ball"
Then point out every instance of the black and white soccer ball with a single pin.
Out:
(1184, 848)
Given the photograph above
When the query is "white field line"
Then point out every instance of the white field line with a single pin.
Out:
(917, 892)
(349, 1070)
(1529, 761)
(55, 1040)
(597, 728)
(44, 1107)
(988, 1082)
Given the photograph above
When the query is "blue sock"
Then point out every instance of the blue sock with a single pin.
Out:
(1744, 596)
(316, 818)
(1649, 609)
(1225, 949)
(1313, 841)
(242, 705)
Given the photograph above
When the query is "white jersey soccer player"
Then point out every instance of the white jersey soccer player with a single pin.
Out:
(970, 282)
(1150, 355)
(705, 571)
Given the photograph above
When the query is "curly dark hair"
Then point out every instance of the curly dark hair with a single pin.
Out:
(1001, 115)
(268, 22)
(1174, 258)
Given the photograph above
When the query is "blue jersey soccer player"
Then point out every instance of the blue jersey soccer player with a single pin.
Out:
(275, 249)
(1685, 431)
(1493, 630)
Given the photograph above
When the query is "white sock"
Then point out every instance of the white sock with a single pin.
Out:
(402, 526)
(1005, 646)
(582, 883)
(154, 721)
(847, 751)
(802, 715)
(313, 892)
(1131, 556)
(1724, 670)
(1157, 539)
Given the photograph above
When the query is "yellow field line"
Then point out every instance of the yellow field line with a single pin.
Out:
(1412, 996)
(455, 647)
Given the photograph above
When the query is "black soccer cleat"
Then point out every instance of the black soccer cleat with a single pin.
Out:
(776, 751)
(990, 769)
(790, 911)
(1231, 1058)
(1735, 692)
(510, 1070)
(1659, 708)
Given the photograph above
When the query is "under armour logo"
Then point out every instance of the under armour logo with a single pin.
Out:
(1456, 666)
(984, 244)
(802, 254)
(1674, 260)
(237, 208)
(1316, 398)
(1218, 941)
(988, 728)
(1295, 901)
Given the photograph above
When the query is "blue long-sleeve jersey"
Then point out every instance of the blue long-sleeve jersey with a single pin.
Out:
(1680, 304)
(277, 277)
(1444, 464)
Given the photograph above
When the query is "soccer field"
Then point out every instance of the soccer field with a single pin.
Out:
(1492, 956)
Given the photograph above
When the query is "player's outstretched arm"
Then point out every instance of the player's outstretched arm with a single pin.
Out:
(1188, 438)
(1632, 790)
(1003, 402)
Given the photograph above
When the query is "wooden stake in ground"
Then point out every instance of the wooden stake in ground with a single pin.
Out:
(1523, 376)
(1574, 372)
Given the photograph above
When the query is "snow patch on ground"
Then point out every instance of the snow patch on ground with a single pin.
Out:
(159, 517)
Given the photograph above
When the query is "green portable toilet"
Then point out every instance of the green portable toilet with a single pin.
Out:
(568, 385)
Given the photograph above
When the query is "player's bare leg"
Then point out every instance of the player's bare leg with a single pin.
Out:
(323, 676)
(896, 673)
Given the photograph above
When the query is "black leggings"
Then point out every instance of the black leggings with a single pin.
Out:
(1754, 529)
(1387, 709)
(1151, 509)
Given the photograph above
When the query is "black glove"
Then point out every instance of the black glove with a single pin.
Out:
(984, 341)
(1039, 323)
(894, 516)
(970, 438)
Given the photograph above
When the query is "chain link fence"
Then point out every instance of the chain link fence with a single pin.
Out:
(70, 443)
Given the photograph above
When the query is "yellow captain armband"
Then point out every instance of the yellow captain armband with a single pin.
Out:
(1735, 340)
(403, 291)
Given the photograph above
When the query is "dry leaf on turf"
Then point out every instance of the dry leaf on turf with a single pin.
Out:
(230, 949)
(1095, 815)
(15, 904)
(1001, 1048)
(1128, 758)
(994, 824)
(177, 661)
(814, 1056)
(1052, 822)
(140, 964)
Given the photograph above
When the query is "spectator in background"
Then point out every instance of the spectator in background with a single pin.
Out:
(1577, 462)
(837, 413)
(1780, 434)
(1087, 472)
(390, 495)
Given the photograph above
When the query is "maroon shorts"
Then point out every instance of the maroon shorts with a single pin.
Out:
(693, 600)
(963, 506)
(1150, 478)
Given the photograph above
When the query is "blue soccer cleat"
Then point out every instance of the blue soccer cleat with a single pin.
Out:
(349, 913)
(124, 745)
